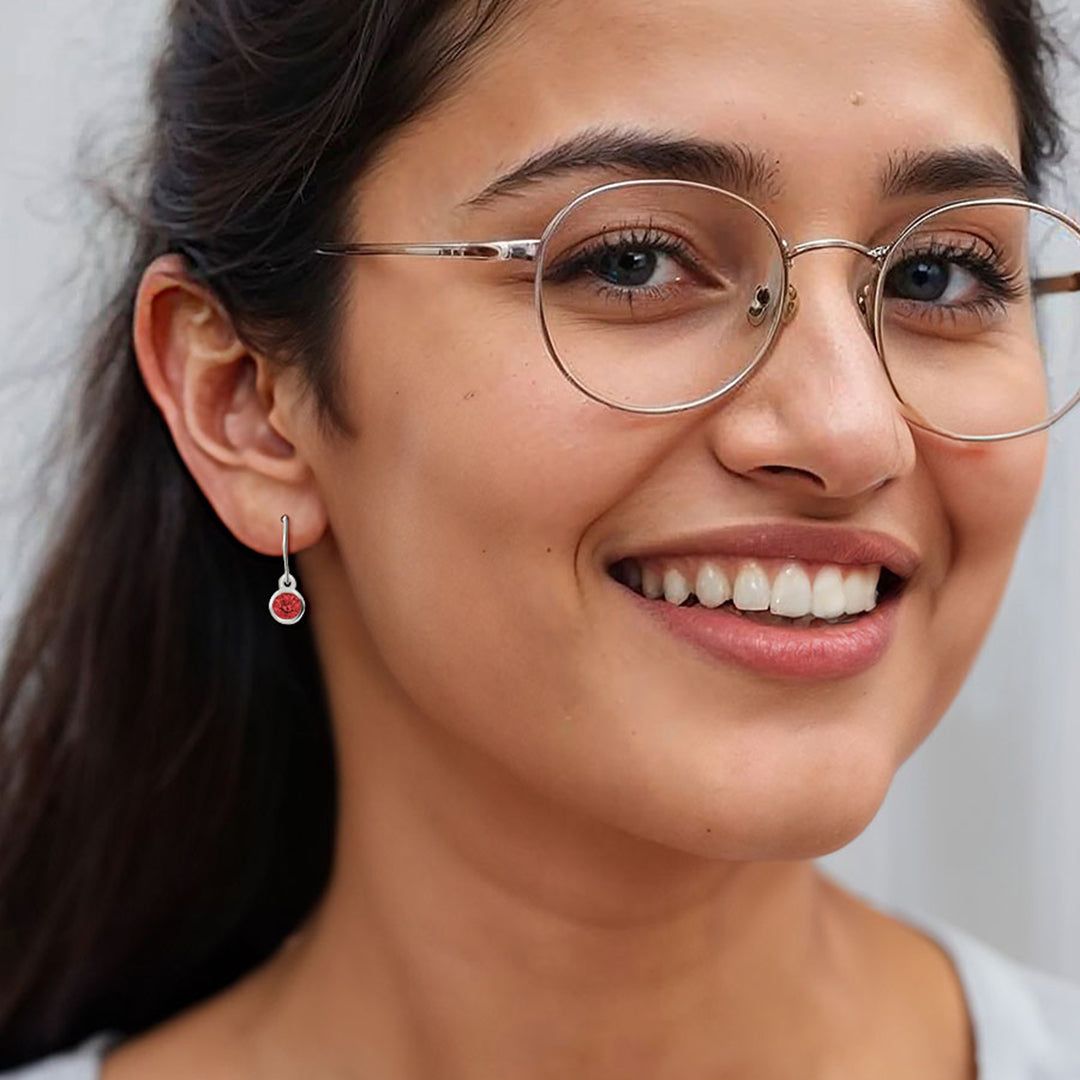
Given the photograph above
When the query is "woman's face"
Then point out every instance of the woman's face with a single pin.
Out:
(482, 507)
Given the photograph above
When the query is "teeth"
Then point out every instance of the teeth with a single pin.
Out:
(791, 593)
(860, 591)
(676, 587)
(652, 584)
(712, 586)
(752, 591)
(830, 601)
(833, 593)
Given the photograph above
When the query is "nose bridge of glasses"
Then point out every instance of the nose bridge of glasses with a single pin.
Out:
(864, 296)
(874, 253)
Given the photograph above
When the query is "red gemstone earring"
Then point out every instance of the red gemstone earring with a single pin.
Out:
(287, 605)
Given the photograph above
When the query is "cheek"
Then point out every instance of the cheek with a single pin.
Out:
(477, 473)
(468, 424)
(986, 493)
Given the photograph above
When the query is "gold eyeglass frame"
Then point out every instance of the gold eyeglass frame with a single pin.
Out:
(868, 299)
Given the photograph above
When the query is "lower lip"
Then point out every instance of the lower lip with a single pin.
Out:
(810, 653)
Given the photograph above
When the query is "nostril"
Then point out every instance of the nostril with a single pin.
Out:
(791, 470)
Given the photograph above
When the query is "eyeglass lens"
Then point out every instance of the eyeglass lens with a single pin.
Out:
(656, 295)
(980, 318)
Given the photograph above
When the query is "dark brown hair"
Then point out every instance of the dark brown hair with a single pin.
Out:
(167, 786)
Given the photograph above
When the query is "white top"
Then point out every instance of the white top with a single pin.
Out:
(1026, 1021)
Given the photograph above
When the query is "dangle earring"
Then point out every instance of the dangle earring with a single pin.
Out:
(287, 605)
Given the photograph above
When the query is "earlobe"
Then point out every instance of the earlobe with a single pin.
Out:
(217, 397)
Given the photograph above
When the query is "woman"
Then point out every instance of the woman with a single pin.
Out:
(596, 635)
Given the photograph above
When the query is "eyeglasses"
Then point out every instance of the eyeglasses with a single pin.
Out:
(657, 296)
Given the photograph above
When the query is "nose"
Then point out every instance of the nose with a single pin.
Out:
(819, 415)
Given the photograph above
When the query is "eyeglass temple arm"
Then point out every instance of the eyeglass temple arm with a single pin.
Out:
(501, 250)
(504, 250)
(1063, 283)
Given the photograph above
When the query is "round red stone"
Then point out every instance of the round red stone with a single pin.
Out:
(288, 606)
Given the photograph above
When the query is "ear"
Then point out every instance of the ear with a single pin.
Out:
(232, 417)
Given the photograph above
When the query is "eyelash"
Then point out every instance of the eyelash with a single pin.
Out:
(633, 237)
(1005, 285)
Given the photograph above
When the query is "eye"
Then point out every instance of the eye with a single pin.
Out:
(951, 272)
(642, 273)
(629, 261)
(629, 266)
(926, 279)
(952, 284)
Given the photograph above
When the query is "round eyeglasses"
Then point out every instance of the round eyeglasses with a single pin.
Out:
(657, 296)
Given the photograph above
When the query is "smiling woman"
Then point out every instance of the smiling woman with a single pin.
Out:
(645, 410)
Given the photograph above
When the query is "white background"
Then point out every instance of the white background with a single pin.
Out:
(982, 825)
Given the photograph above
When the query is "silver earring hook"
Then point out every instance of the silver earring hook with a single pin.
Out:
(287, 579)
(287, 605)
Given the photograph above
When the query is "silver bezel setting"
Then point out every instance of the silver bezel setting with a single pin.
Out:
(287, 585)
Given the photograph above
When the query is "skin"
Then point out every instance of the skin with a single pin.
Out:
(569, 845)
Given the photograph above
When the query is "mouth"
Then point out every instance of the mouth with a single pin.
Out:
(790, 602)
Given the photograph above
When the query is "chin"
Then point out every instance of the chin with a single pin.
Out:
(798, 790)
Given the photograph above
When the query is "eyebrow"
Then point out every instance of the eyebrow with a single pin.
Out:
(939, 172)
(736, 167)
(662, 154)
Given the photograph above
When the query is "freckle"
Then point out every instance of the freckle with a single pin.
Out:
(549, 551)
(708, 830)
(858, 97)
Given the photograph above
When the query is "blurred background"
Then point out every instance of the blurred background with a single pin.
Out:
(982, 825)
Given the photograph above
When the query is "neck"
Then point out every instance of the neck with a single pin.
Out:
(474, 928)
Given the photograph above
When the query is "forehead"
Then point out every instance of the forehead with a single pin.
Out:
(827, 90)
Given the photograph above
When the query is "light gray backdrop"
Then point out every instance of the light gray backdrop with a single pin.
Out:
(982, 825)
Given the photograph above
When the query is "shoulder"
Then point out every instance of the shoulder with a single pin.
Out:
(80, 1062)
(1026, 1020)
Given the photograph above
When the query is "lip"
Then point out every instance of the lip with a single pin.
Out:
(806, 654)
(811, 654)
(808, 543)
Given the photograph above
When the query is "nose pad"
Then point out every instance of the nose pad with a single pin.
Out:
(792, 304)
(761, 305)
(863, 300)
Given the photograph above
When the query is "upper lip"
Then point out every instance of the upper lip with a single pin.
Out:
(809, 543)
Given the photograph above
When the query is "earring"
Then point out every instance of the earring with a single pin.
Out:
(287, 605)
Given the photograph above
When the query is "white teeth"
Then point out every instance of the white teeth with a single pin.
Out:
(791, 593)
(833, 593)
(676, 587)
(860, 591)
(752, 591)
(652, 584)
(712, 587)
(829, 599)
